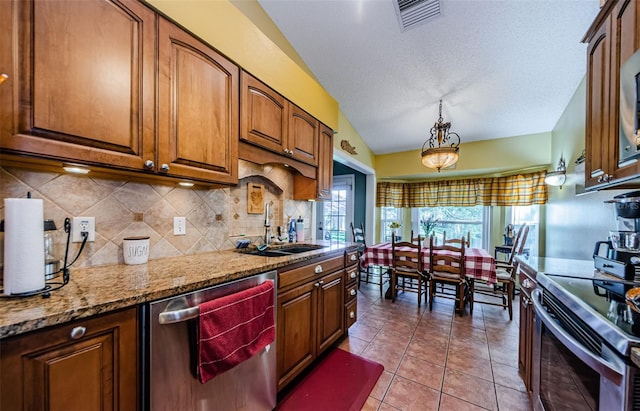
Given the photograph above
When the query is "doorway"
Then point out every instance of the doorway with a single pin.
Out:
(335, 216)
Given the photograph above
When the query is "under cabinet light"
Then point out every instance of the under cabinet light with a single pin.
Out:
(185, 184)
(75, 169)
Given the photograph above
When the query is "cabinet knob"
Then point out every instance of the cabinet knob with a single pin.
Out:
(3, 77)
(353, 274)
(526, 283)
(291, 153)
(286, 151)
(352, 314)
(164, 167)
(77, 332)
(319, 283)
(318, 269)
(352, 292)
(148, 164)
(353, 257)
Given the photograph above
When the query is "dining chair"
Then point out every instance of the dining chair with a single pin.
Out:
(467, 242)
(447, 269)
(407, 265)
(504, 289)
(371, 277)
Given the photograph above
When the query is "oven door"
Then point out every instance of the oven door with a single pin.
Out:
(572, 365)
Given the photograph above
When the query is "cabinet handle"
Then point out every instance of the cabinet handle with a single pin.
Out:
(149, 164)
(352, 292)
(353, 257)
(164, 167)
(353, 274)
(352, 314)
(318, 269)
(77, 332)
(286, 151)
(3, 77)
(291, 153)
(319, 283)
(526, 283)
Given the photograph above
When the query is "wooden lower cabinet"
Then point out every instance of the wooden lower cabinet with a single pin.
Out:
(310, 319)
(527, 315)
(86, 365)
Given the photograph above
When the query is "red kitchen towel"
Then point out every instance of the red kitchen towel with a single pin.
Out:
(233, 328)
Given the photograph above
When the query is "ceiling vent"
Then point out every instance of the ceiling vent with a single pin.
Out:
(412, 13)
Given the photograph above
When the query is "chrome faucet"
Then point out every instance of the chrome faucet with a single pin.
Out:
(267, 225)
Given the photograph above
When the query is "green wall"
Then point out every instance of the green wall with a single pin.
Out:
(359, 191)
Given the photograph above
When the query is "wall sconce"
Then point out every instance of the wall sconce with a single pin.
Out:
(558, 177)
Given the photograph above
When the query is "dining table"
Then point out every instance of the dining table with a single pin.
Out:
(479, 263)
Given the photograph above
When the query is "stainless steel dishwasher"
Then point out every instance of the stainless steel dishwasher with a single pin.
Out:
(170, 360)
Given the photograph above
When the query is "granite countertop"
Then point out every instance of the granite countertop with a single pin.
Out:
(559, 266)
(98, 290)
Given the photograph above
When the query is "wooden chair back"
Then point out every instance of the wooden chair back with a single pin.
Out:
(417, 239)
(466, 242)
(406, 258)
(447, 260)
(518, 243)
(358, 234)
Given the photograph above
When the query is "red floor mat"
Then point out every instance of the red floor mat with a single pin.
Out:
(341, 381)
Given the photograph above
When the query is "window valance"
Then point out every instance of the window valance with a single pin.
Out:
(519, 189)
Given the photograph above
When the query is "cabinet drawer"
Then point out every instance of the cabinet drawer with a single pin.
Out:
(351, 291)
(352, 275)
(309, 271)
(351, 313)
(352, 258)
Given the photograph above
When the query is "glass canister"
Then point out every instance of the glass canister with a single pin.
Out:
(51, 258)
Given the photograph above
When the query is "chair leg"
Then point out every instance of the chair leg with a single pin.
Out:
(472, 289)
(510, 288)
(394, 279)
(432, 285)
(419, 291)
(460, 290)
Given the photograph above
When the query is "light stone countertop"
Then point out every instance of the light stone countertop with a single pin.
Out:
(98, 290)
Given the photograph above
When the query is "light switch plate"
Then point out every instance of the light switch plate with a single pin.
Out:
(179, 226)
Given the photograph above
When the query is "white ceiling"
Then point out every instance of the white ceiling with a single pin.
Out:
(502, 67)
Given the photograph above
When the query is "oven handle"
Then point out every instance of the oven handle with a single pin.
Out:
(178, 316)
(600, 365)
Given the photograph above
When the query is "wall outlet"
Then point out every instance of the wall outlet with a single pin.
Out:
(179, 226)
(83, 225)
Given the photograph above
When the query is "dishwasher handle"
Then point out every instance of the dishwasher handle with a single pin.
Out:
(178, 316)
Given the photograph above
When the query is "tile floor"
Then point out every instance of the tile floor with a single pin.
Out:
(435, 360)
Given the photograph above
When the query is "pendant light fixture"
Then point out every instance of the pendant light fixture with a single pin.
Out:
(441, 151)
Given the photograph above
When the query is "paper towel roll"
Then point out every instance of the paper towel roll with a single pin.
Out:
(23, 245)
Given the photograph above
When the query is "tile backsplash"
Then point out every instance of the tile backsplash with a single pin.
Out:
(216, 218)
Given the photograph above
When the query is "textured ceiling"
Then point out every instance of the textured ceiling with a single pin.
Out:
(502, 67)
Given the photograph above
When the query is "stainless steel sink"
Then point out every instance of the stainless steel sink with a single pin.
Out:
(283, 251)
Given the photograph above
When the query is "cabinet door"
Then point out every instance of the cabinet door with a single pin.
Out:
(624, 43)
(599, 147)
(84, 76)
(330, 309)
(198, 109)
(51, 370)
(264, 115)
(303, 136)
(297, 312)
(325, 164)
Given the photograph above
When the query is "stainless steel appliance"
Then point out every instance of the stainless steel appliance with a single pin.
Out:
(582, 347)
(629, 120)
(170, 379)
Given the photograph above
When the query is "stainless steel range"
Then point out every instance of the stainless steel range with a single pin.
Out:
(582, 347)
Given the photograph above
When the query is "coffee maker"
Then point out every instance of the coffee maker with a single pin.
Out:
(619, 256)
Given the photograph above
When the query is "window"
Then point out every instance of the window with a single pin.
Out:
(531, 216)
(455, 221)
(387, 216)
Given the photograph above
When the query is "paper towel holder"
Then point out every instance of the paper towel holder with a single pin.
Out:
(55, 285)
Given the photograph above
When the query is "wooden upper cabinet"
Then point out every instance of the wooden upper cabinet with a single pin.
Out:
(270, 121)
(265, 115)
(303, 136)
(325, 165)
(84, 76)
(625, 40)
(598, 126)
(198, 108)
